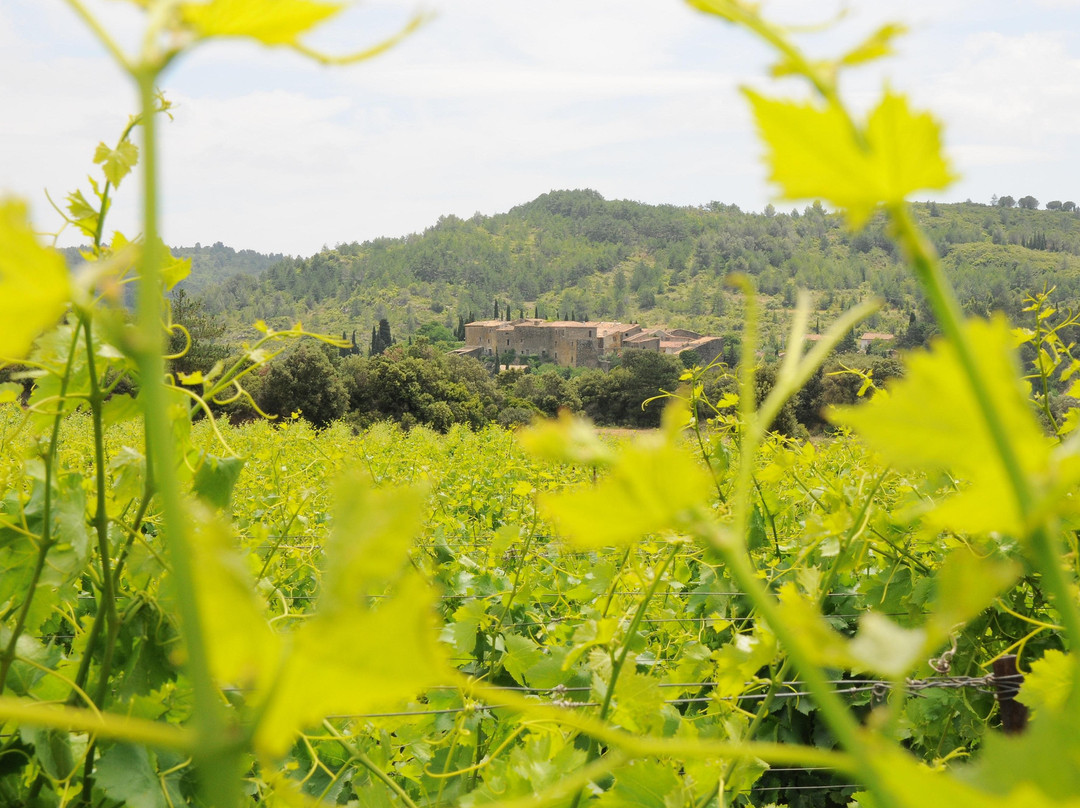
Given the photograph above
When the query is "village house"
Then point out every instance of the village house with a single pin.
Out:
(580, 344)
(871, 337)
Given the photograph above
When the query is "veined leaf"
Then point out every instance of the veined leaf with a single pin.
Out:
(875, 46)
(1050, 682)
(272, 22)
(354, 657)
(966, 584)
(241, 646)
(910, 782)
(174, 269)
(125, 773)
(356, 660)
(117, 163)
(931, 419)
(34, 283)
(653, 485)
(816, 152)
(651, 488)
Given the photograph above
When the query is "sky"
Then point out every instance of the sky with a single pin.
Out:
(494, 102)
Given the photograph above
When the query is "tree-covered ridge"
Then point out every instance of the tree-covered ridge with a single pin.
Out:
(210, 265)
(574, 254)
(216, 263)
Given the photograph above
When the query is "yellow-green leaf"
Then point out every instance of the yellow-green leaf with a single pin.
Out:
(931, 420)
(966, 584)
(34, 283)
(372, 643)
(884, 647)
(174, 269)
(272, 22)
(117, 163)
(355, 661)
(1050, 682)
(875, 46)
(241, 646)
(653, 486)
(369, 545)
(567, 439)
(816, 152)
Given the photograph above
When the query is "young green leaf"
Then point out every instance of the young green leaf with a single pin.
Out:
(117, 163)
(879, 44)
(1050, 682)
(652, 487)
(34, 284)
(124, 772)
(272, 22)
(966, 584)
(817, 152)
(932, 420)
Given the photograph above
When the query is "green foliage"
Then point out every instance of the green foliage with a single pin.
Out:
(683, 609)
(303, 382)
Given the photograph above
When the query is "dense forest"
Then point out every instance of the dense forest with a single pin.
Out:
(573, 254)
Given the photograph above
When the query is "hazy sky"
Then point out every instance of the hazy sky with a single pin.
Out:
(497, 101)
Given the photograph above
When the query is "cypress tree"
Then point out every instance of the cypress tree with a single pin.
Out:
(385, 341)
(496, 317)
(374, 349)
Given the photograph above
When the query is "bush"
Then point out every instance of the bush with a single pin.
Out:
(304, 380)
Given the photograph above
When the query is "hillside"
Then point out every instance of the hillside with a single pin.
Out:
(575, 255)
(209, 265)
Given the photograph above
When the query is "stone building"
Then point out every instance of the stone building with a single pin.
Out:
(581, 344)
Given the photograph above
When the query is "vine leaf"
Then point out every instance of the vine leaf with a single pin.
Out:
(242, 648)
(125, 773)
(272, 22)
(654, 485)
(117, 163)
(876, 46)
(817, 152)
(965, 585)
(34, 284)
(931, 420)
(1043, 763)
(1049, 683)
(910, 781)
(370, 644)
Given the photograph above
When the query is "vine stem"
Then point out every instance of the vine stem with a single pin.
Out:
(837, 715)
(620, 661)
(216, 754)
(1044, 544)
(47, 540)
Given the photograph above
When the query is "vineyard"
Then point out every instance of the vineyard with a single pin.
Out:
(704, 614)
(653, 637)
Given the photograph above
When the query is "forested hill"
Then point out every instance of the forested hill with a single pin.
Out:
(209, 265)
(217, 263)
(575, 254)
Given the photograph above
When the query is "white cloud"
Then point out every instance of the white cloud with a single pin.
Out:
(495, 102)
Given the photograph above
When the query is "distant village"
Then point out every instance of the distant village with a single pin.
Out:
(580, 344)
(590, 344)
